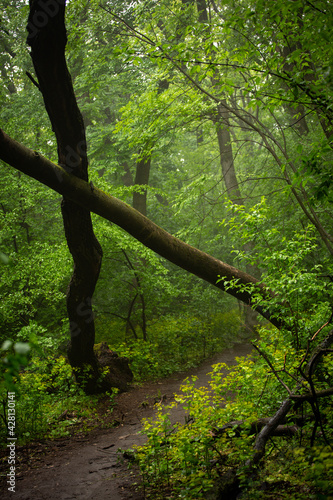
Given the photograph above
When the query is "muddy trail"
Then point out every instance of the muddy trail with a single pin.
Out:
(90, 467)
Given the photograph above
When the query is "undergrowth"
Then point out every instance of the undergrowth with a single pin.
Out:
(176, 343)
(188, 460)
(48, 402)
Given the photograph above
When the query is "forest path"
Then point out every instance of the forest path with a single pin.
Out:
(89, 468)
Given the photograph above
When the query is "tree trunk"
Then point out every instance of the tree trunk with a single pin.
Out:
(226, 156)
(222, 125)
(297, 115)
(234, 194)
(140, 204)
(47, 38)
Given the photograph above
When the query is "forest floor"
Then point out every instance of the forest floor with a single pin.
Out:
(89, 466)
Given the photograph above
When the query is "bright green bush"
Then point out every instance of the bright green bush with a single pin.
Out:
(44, 390)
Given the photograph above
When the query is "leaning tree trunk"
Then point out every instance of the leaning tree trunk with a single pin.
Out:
(47, 39)
(144, 230)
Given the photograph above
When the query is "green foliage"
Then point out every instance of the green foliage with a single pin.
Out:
(177, 458)
(13, 358)
(290, 269)
(317, 465)
(36, 283)
(178, 343)
(45, 390)
(159, 84)
(185, 461)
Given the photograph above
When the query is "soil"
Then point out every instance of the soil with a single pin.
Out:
(90, 466)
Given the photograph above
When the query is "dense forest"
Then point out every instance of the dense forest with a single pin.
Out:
(166, 189)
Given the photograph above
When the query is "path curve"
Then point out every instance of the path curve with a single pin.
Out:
(89, 468)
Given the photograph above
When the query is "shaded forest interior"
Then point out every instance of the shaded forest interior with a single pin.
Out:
(166, 191)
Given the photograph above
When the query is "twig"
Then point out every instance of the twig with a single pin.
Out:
(29, 75)
(272, 368)
(320, 329)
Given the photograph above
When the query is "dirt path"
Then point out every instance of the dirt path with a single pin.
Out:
(89, 468)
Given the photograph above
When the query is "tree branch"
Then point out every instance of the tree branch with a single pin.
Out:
(300, 398)
(254, 428)
(264, 355)
(267, 431)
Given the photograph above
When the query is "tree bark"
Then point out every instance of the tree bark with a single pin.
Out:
(232, 187)
(238, 427)
(47, 38)
(226, 156)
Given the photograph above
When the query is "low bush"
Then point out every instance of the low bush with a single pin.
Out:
(48, 403)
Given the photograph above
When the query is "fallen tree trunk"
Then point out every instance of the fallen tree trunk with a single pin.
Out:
(140, 227)
(255, 427)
